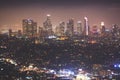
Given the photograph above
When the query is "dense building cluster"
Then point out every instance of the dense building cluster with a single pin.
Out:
(95, 51)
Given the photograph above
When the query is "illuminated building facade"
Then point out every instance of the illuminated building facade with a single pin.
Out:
(29, 28)
(115, 30)
(17, 34)
(60, 30)
(95, 30)
(10, 32)
(79, 27)
(103, 28)
(86, 26)
(70, 27)
(47, 25)
(41, 32)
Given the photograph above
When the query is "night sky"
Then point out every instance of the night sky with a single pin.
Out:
(13, 11)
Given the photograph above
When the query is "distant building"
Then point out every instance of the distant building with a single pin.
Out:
(41, 32)
(60, 30)
(103, 28)
(115, 30)
(70, 27)
(47, 26)
(10, 33)
(95, 31)
(79, 27)
(86, 27)
(17, 34)
(29, 28)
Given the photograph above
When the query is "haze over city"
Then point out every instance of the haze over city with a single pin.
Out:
(59, 39)
(13, 12)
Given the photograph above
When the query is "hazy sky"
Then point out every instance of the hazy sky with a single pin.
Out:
(13, 11)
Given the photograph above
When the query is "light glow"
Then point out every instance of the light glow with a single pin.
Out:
(48, 15)
(102, 24)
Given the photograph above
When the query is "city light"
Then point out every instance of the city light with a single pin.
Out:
(48, 15)
(102, 24)
(59, 47)
(86, 18)
(117, 66)
(65, 73)
(52, 52)
(82, 77)
(52, 37)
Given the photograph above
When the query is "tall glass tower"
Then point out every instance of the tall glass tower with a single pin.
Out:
(29, 27)
(79, 27)
(70, 27)
(86, 26)
(47, 25)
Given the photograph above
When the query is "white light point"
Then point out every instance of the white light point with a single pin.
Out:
(102, 24)
(48, 15)
(86, 18)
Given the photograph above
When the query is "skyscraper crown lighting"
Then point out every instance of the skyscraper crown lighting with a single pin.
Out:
(48, 15)
(86, 18)
(102, 24)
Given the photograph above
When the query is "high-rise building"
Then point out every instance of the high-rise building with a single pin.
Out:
(70, 27)
(60, 30)
(29, 28)
(41, 32)
(10, 33)
(47, 25)
(115, 30)
(19, 33)
(86, 27)
(94, 29)
(103, 28)
(79, 27)
(57, 30)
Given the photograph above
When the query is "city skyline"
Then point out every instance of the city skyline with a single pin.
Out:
(97, 11)
(59, 39)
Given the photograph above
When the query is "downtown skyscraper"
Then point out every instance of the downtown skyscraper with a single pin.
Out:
(47, 26)
(86, 27)
(70, 27)
(29, 28)
(79, 27)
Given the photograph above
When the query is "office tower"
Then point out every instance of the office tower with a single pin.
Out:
(94, 29)
(79, 27)
(86, 26)
(115, 30)
(57, 31)
(70, 27)
(41, 32)
(47, 25)
(103, 28)
(60, 30)
(29, 28)
(19, 33)
(10, 33)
